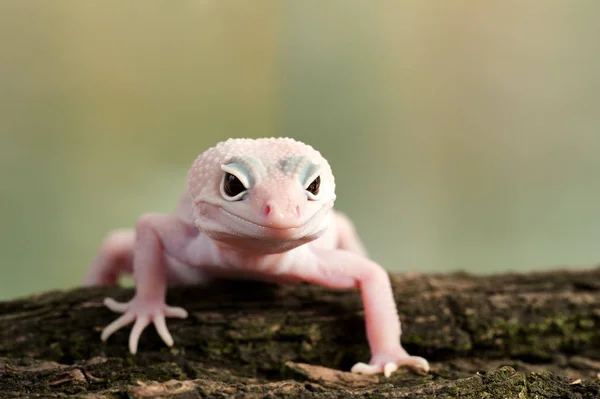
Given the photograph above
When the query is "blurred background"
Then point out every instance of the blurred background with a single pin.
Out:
(464, 134)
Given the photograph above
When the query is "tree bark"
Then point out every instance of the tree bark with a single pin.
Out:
(529, 335)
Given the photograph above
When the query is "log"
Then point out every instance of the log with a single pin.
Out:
(532, 335)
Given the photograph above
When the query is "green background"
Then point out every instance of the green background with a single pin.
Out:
(463, 134)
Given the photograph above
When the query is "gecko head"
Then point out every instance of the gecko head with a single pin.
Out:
(274, 190)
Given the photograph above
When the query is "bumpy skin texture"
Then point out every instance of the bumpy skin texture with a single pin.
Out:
(255, 209)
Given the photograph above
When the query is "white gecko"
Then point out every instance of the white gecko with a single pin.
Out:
(258, 209)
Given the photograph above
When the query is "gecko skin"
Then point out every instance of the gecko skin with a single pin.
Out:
(254, 209)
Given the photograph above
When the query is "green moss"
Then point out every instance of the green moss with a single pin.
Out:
(164, 372)
(540, 338)
(414, 339)
(292, 331)
(586, 323)
(255, 328)
(214, 349)
(502, 383)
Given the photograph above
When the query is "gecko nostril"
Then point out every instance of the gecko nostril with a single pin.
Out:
(268, 210)
(297, 210)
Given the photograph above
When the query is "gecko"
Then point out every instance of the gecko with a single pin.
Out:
(259, 209)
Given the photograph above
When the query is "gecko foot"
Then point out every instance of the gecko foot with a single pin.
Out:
(389, 362)
(143, 312)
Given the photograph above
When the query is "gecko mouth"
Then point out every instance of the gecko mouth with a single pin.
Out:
(231, 224)
(274, 228)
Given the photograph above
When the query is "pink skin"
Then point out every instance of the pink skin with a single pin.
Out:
(278, 230)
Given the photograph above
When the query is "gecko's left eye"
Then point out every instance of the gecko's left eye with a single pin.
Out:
(313, 188)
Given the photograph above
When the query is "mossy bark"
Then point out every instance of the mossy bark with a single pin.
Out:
(513, 335)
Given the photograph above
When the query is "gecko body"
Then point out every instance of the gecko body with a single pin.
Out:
(258, 209)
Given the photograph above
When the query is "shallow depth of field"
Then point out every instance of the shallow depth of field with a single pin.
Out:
(463, 135)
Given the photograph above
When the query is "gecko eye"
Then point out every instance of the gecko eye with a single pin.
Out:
(232, 187)
(313, 188)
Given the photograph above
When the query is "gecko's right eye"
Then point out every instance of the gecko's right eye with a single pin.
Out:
(233, 189)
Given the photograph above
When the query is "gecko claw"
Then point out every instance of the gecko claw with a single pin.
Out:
(141, 313)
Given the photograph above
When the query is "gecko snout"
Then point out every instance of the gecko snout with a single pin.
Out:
(281, 216)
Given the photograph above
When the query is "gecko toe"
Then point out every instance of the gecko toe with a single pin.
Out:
(389, 368)
(118, 307)
(419, 363)
(140, 324)
(116, 325)
(363, 368)
(161, 327)
(179, 313)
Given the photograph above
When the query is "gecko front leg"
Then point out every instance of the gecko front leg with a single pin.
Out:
(156, 235)
(340, 269)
